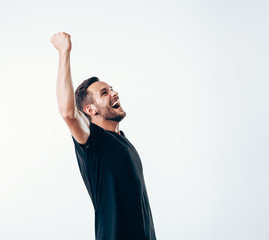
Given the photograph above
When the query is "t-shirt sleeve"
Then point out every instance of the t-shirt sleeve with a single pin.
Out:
(84, 146)
(91, 141)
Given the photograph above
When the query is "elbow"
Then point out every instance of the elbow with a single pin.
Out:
(67, 114)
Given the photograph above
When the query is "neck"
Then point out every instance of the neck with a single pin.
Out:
(107, 124)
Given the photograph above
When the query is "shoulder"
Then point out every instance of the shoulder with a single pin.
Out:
(95, 134)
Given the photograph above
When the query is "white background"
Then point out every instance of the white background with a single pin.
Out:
(193, 79)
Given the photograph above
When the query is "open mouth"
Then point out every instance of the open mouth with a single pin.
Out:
(116, 104)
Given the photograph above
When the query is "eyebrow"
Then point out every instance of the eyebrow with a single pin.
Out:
(105, 89)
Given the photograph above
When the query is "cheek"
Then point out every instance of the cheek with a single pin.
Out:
(103, 105)
(106, 103)
(100, 103)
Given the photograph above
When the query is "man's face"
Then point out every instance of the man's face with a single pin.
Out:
(106, 101)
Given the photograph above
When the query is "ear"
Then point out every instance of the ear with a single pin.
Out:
(90, 109)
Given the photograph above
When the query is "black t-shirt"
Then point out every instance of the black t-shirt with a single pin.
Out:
(112, 172)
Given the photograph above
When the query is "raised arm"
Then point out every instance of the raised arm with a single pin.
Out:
(77, 122)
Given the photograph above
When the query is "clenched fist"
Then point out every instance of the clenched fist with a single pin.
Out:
(61, 42)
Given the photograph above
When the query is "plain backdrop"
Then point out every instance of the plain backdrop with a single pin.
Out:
(193, 79)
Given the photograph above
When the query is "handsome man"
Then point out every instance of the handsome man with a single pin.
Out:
(109, 164)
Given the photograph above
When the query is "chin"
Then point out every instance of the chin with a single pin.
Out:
(120, 117)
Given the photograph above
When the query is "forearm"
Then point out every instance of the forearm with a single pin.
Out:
(65, 91)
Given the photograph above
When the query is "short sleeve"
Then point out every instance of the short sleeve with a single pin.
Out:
(95, 133)
(82, 146)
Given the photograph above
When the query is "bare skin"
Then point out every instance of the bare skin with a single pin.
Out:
(102, 113)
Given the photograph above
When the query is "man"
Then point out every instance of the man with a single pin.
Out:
(109, 164)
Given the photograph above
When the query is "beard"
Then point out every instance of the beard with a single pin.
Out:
(110, 113)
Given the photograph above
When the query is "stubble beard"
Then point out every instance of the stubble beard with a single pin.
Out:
(111, 115)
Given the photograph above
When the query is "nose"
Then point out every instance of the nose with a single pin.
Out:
(114, 93)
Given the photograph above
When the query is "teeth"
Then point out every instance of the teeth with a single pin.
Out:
(117, 102)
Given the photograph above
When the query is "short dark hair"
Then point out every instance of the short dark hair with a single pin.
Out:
(83, 97)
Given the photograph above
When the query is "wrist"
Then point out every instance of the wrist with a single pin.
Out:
(64, 53)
